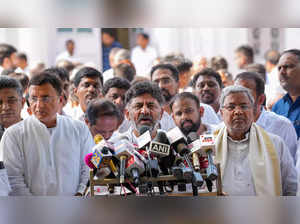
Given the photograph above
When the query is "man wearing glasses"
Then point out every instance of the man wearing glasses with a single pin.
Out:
(11, 102)
(44, 154)
(253, 161)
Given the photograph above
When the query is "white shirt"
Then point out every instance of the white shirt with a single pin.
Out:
(74, 112)
(238, 180)
(4, 183)
(1, 69)
(273, 87)
(66, 56)
(142, 59)
(108, 74)
(281, 126)
(209, 116)
(46, 161)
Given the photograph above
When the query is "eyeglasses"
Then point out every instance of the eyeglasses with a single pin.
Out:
(44, 99)
(10, 102)
(232, 107)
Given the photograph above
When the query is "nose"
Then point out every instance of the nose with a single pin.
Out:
(183, 116)
(118, 101)
(91, 88)
(205, 87)
(145, 109)
(39, 103)
(238, 110)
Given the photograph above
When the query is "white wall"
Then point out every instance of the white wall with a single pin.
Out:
(199, 41)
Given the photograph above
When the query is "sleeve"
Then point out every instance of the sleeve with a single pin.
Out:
(290, 138)
(209, 116)
(14, 162)
(4, 183)
(86, 146)
(288, 170)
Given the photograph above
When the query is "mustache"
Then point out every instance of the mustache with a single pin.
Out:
(144, 117)
(182, 122)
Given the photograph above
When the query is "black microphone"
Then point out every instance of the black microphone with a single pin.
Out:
(178, 140)
(2, 165)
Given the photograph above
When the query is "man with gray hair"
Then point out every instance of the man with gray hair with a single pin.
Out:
(11, 102)
(117, 56)
(253, 161)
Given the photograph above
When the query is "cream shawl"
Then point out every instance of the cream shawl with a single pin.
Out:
(264, 161)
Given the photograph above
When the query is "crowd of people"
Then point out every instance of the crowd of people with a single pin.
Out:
(49, 116)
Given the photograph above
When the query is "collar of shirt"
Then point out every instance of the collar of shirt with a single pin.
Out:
(239, 141)
(287, 98)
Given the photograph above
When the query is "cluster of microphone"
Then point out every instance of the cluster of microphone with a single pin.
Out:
(168, 154)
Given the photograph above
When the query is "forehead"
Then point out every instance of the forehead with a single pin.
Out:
(184, 103)
(116, 90)
(248, 83)
(237, 98)
(94, 79)
(162, 73)
(206, 78)
(288, 58)
(145, 98)
(105, 122)
(6, 92)
(45, 89)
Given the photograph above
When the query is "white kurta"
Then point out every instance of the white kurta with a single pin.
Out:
(4, 183)
(209, 116)
(143, 59)
(238, 180)
(281, 126)
(42, 161)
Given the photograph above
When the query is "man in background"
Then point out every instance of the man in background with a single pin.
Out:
(109, 41)
(8, 59)
(244, 55)
(68, 54)
(143, 55)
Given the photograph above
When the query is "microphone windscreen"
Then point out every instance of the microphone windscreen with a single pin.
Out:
(87, 160)
(192, 136)
(161, 137)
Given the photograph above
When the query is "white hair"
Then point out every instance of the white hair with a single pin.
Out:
(235, 89)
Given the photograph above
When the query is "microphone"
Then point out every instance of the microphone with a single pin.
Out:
(194, 141)
(2, 165)
(123, 150)
(178, 140)
(134, 168)
(208, 146)
(100, 173)
(145, 137)
(144, 141)
(160, 145)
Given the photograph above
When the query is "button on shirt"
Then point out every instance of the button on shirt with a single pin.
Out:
(286, 107)
(237, 178)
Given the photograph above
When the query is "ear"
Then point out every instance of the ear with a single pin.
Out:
(201, 111)
(86, 122)
(29, 111)
(5, 62)
(161, 112)
(261, 99)
(127, 113)
(60, 99)
(221, 112)
(23, 101)
(75, 90)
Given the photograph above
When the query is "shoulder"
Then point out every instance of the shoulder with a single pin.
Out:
(72, 123)
(276, 117)
(17, 128)
(277, 105)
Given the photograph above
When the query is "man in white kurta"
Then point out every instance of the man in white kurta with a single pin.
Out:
(44, 154)
(253, 161)
(47, 161)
